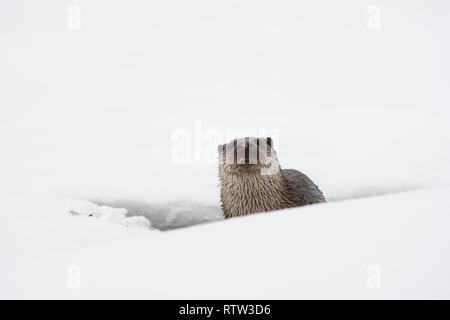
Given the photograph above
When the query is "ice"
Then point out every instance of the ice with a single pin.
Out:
(171, 215)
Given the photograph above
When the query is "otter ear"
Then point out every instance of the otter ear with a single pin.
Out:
(269, 141)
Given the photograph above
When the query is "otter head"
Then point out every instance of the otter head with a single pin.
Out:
(248, 156)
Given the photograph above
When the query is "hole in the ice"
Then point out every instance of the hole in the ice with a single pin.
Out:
(179, 214)
(172, 215)
(371, 191)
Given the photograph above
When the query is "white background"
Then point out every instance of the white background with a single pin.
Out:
(90, 114)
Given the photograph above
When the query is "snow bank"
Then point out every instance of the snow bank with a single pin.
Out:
(393, 246)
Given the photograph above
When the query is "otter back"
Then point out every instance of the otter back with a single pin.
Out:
(304, 186)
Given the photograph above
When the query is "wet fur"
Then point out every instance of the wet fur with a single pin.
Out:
(244, 190)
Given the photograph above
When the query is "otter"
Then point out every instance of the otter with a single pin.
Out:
(252, 181)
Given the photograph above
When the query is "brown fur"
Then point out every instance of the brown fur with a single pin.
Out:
(245, 193)
(246, 188)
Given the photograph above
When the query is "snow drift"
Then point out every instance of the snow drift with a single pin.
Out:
(320, 251)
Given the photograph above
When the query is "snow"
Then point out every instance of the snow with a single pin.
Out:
(91, 120)
(320, 251)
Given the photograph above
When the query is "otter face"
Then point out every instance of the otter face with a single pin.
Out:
(247, 156)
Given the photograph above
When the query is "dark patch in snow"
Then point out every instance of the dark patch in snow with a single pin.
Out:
(167, 216)
(372, 192)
